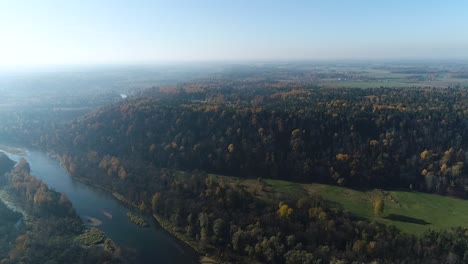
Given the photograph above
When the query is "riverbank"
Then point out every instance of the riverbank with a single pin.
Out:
(170, 228)
(165, 224)
(116, 195)
(13, 150)
(151, 245)
(6, 199)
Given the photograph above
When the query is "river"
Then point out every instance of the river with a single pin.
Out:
(153, 244)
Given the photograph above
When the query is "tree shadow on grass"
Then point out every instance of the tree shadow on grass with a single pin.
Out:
(406, 219)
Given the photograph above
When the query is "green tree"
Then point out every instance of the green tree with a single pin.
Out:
(219, 230)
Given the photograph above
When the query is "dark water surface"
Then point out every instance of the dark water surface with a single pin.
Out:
(153, 244)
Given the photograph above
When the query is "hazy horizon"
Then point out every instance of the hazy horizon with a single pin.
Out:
(156, 32)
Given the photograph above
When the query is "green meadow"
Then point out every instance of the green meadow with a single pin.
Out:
(411, 212)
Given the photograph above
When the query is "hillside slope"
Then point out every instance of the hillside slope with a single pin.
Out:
(385, 138)
(154, 153)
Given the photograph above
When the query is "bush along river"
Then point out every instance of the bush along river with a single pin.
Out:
(98, 208)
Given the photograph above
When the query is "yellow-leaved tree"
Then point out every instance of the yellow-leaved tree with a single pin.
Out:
(284, 211)
(378, 207)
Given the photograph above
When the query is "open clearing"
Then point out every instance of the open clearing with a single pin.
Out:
(411, 212)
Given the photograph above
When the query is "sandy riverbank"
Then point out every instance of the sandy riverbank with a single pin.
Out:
(13, 150)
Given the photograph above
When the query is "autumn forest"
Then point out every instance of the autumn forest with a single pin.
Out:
(235, 166)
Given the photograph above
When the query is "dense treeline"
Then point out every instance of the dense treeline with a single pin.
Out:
(8, 231)
(35, 197)
(221, 218)
(400, 138)
(233, 224)
(51, 225)
(8, 218)
(389, 138)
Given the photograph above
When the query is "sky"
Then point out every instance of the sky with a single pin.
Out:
(49, 32)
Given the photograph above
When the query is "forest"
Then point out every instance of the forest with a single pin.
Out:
(385, 138)
(232, 132)
(159, 150)
(47, 228)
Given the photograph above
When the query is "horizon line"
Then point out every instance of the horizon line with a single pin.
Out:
(227, 61)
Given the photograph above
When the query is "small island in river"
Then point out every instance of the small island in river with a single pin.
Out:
(107, 214)
(137, 220)
(93, 221)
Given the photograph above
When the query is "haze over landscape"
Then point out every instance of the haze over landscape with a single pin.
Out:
(108, 32)
(284, 132)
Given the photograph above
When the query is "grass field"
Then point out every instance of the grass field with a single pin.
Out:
(371, 84)
(371, 78)
(411, 212)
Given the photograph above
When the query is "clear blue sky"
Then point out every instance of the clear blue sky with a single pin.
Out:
(138, 31)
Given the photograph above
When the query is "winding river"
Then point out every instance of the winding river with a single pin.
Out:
(152, 245)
